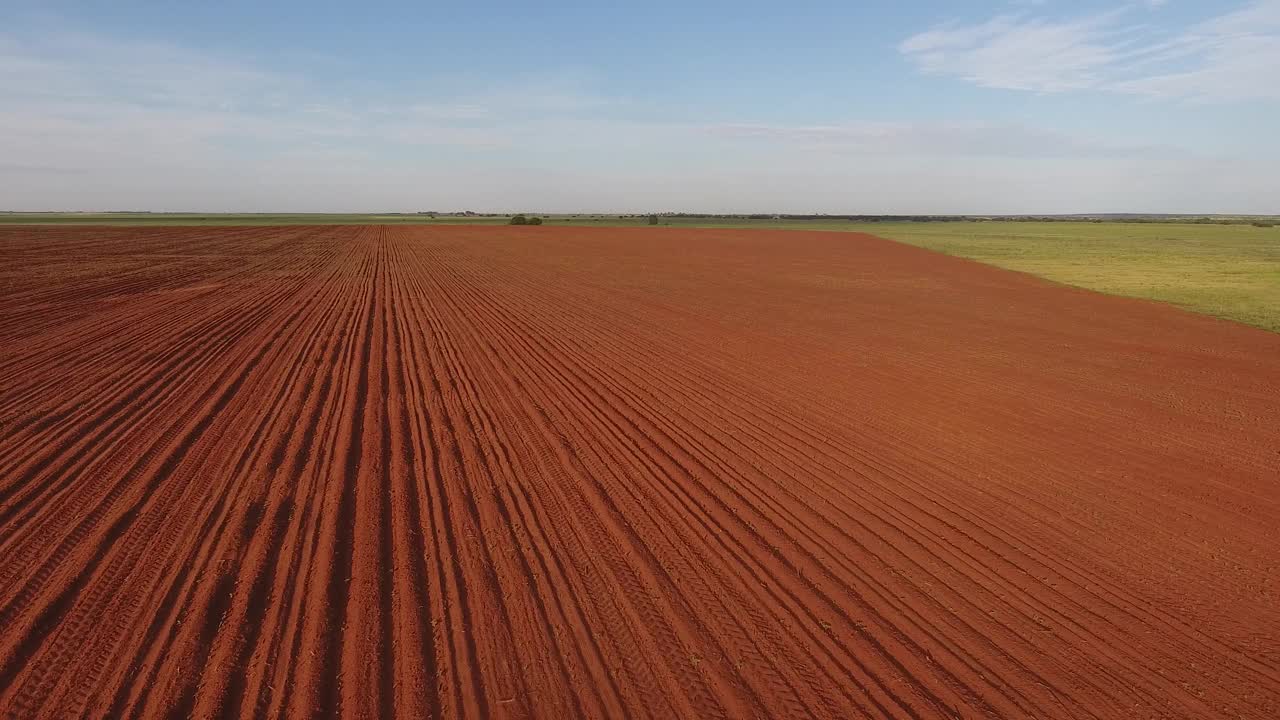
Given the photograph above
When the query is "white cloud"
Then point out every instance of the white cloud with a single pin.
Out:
(1231, 57)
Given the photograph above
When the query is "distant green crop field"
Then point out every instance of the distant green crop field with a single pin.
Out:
(1228, 271)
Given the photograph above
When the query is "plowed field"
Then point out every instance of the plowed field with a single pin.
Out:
(545, 472)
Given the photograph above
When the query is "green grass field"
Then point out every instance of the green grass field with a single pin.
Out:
(1228, 271)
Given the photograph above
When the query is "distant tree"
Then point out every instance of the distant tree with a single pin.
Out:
(653, 219)
(1262, 224)
(535, 220)
(519, 220)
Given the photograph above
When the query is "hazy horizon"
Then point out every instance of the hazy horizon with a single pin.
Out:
(1022, 107)
(639, 213)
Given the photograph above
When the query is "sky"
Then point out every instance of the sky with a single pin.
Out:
(875, 107)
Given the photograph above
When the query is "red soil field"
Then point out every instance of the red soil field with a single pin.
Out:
(548, 472)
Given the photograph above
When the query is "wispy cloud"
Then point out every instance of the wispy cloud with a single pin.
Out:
(1018, 53)
(938, 140)
(78, 66)
(1228, 58)
(94, 121)
(78, 100)
(1232, 57)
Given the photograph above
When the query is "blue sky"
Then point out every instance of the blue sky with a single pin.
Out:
(963, 106)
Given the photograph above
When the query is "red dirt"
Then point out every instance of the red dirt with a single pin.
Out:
(546, 472)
